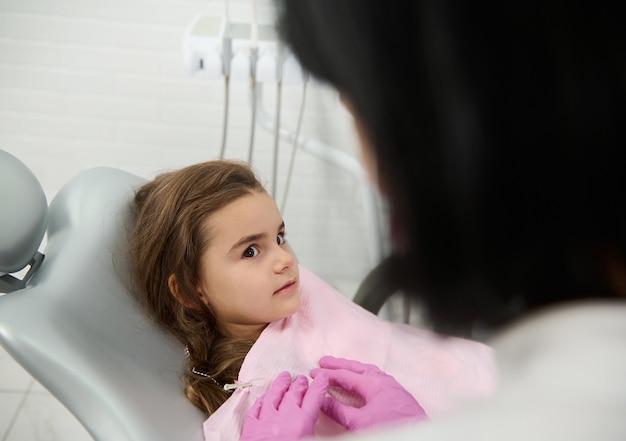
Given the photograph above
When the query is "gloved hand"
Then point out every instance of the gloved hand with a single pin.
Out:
(288, 411)
(386, 401)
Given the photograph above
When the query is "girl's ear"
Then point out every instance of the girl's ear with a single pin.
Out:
(174, 286)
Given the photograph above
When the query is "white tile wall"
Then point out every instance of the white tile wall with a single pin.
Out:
(87, 83)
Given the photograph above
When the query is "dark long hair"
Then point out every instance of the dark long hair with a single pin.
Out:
(498, 129)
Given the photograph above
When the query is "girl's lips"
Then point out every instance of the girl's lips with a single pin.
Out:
(286, 287)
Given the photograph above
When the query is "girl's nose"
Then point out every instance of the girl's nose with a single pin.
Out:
(284, 260)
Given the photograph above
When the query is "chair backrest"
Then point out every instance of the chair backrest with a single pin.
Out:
(77, 330)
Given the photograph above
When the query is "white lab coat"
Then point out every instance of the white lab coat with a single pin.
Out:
(562, 378)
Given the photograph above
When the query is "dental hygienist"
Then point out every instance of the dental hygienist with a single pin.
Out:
(496, 131)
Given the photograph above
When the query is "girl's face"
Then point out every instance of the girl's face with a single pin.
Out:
(248, 275)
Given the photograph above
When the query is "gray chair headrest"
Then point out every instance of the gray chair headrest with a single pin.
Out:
(23, 214)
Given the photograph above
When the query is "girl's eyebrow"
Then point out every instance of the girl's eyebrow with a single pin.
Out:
(253, 238)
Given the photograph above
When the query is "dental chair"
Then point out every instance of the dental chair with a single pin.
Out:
(71, 322)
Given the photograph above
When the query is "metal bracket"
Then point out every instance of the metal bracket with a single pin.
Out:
(9, 283)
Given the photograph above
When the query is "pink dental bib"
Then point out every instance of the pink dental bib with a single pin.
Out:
(440, 372)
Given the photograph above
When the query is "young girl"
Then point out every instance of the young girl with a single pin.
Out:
(213, 268)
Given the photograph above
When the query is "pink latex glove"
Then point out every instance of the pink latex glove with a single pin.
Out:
(287, 411)
(386, 401)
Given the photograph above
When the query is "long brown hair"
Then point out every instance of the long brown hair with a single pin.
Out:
(169, 238)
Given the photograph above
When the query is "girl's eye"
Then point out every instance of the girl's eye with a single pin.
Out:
(251, 251)
(280, 239)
